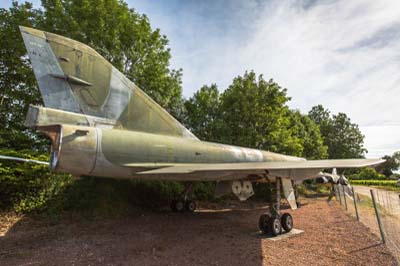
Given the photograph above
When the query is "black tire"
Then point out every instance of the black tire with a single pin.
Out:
(275, 226)
(190, 205)
(287, 222)
(264, 222)
(180, 206)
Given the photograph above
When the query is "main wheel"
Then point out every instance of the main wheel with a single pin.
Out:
(179, 205)
(263, 223)
(190, 206)
(287, 222)
(275, 226)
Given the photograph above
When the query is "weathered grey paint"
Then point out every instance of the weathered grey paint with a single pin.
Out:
(55, 93)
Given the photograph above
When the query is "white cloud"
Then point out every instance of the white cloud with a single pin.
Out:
(342, 54)
(314, 54)
(381, 140)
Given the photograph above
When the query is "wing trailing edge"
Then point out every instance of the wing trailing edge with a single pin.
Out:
(315, 165)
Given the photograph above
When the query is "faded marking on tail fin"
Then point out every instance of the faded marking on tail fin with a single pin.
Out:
(73, 77)
(55, 93)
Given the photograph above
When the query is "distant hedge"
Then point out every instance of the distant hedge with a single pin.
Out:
(384, 183)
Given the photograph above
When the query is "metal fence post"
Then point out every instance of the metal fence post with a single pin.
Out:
(378, 217)
(344, 196)
(355, 203)
(340, 197)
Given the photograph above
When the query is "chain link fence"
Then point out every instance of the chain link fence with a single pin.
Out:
(377, 209)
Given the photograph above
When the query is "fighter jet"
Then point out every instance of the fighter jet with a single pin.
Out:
(101, 124)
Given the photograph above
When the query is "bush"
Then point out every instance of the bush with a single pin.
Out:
(26, 187)
(367, 173)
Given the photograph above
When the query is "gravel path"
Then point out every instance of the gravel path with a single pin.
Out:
(213, 236)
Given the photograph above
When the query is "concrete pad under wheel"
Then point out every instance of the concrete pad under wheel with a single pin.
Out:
(284, 235)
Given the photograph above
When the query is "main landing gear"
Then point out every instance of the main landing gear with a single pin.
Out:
(184, 204)
(273, 222)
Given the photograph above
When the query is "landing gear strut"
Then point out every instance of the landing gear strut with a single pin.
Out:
(273, 222)
(184, 204)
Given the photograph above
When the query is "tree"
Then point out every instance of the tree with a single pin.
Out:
(391, 164)
(125, 38)
(255, 114)
(396, 156)
(17, 83)
(203, 117)
(346, 139)
(309, 134)
(343, 138)
(120, 34)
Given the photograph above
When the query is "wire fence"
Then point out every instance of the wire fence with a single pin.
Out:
(378, 209)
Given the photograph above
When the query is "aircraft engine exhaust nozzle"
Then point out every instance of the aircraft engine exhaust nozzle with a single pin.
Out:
(66, 141)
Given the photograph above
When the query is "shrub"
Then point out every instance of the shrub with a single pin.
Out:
(26, 187)
(367, 173)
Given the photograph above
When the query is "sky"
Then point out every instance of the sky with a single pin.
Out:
(342, 54)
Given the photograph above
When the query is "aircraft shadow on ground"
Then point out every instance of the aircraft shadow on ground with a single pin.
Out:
(142, 237)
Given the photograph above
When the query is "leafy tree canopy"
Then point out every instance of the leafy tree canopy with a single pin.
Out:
(253, 112)
(391, 164)
(120, 34)
(310, 136)
(343, 138)
(17, 83)
(202, 113)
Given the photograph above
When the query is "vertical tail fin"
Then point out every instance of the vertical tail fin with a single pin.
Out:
(73, 77)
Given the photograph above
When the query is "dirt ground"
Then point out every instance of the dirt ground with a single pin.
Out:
(216, 235)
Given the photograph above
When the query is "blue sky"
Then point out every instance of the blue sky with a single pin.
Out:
(342, 54)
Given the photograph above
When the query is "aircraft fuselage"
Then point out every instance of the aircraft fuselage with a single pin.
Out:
(96, 151)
